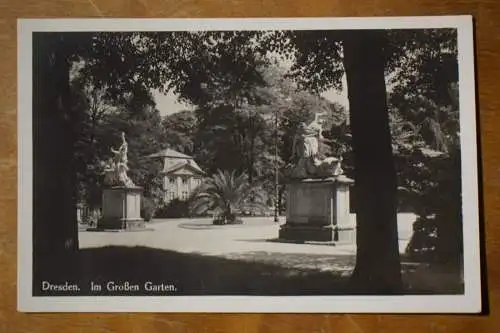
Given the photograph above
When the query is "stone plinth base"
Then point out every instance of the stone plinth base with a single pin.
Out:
(297, 233)
(120, 224)
(121, 209)
(318, 210)
(307, 233)
(346, 235)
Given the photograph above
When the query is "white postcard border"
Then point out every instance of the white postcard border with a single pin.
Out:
(470, 302)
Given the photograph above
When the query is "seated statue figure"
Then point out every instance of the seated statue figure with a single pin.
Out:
(306, 157)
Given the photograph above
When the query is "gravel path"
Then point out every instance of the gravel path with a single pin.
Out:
(199, 236)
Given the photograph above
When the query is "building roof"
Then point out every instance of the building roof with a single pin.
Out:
(184, 161)
(170, 153)
(190, 164)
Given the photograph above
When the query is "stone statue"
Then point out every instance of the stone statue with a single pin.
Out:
(307, 160)
(115, 170)
(122, 153)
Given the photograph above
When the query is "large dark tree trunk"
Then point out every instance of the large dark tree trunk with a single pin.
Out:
(378, 267)
(55, 229)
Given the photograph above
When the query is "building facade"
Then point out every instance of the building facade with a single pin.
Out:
(181, 174)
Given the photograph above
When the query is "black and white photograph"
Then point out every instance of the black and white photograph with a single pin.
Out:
(248, 165)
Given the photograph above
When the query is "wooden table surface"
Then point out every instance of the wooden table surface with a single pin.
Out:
(487, 17)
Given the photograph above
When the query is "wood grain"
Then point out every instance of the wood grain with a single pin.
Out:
(486, 13)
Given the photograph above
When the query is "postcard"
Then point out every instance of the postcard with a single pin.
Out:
(288, 165)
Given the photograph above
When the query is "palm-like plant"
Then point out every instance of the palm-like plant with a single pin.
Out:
(227, 194)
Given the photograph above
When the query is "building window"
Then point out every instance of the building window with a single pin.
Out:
(184, 195)
(172, 195)
(171, 180)
(184, 180)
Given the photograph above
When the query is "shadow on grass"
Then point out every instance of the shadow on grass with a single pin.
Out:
(192, 274)
(196, 274)
(286, 241)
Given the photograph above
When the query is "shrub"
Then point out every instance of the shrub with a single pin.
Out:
(147, 208)
(219, 220)
(174, 209)
(423, 243)
(438, 231)
(91, 217)
(233, 219)
(223, 219)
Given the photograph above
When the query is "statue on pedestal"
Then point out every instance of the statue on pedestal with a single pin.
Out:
(308, 161)
(318, 193)
(121, 199)
(115, 171)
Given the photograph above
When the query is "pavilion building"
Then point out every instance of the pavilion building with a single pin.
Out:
(181, 174)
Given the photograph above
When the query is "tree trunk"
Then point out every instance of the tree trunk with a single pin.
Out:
(378, 267)
(55, 228)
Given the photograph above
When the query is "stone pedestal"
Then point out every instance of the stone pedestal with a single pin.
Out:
(121, 208)
(318, 210)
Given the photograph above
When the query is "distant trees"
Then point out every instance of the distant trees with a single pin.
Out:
(93, 107)
(242, 138)
(181, 128)
(103, 120)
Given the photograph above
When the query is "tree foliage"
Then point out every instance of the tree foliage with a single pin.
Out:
(181, 128)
